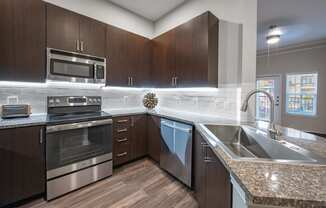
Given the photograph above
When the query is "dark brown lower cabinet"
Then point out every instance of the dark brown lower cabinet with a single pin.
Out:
(129, 138)
(22, 161)
(138, 136)
(154, 137)
(212, 181)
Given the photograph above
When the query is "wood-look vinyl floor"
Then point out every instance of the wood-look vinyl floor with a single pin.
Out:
(138, 185)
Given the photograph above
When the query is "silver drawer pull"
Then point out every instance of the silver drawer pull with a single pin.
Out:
(122, 154)
(122, 130)
(123, 121)
(122, 140)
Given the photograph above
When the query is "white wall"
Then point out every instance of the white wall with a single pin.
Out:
(229, 54)
(238, 11)
(303, 61)
(106, 12)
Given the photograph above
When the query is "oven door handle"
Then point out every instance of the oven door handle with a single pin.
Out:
(80, 125)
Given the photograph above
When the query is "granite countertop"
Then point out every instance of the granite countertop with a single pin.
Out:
(264, 182)
(33, 120)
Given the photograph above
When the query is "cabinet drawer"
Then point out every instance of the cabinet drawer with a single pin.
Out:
(121, 133)
(121, 122)
(121, 153)
(121, 140)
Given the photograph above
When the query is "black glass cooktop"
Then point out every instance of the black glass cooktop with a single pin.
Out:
(53, 119)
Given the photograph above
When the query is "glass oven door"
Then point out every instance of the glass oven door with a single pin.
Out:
(68, 144)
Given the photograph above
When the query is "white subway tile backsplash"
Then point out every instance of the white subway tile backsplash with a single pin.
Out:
(221, 102)
(37, 96)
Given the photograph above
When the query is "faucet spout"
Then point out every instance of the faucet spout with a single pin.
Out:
(272, 130)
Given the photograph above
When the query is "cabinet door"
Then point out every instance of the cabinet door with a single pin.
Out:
(23, 166)
(218, 185)
(192, 52)
(28, 162)
(92, 36)
(199, 170)
(140, 61)
(7, 52)
(117, 57)
(62, 29)
(164, 57)
(197, 52)
(154, 137)
(143, 78)
(29, 35)
(22, 46)
(138, 136)
(6, 174)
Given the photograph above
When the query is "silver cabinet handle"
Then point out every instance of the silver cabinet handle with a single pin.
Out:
(82, 45)
(175, 81)
(77, 45)
(122, 140)
(41, 135)
(122, 130)
(131, 81)
(123, 121)
(172, 81)
(122, 154)
(204, 151)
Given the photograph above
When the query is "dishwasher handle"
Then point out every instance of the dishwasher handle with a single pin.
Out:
(186, 130)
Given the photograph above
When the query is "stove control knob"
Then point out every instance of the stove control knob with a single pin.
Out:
(98, 100)
(57, 100)
(51, 101)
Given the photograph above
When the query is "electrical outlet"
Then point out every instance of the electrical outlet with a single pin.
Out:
(11, 100)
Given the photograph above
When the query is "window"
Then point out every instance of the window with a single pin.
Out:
(262, 102)
(301, 94)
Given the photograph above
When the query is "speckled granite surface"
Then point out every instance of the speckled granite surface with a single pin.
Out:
(265, 182)
(34, 120)
(278, 184)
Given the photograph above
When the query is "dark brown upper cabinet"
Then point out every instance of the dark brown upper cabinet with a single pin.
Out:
(22, 40)
(187, 56)
(23, 164)
(197, 52)
(128, 58)
(164, 59)
(92, 36)
(70, 31)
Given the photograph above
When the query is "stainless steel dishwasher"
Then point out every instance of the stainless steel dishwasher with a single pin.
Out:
(176, 149)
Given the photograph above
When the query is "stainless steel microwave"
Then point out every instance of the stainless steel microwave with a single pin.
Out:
(75, 67)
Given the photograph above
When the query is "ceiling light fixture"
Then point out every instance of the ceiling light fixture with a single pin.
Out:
(274, 35)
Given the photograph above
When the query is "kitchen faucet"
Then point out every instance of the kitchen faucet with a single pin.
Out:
(274, 132)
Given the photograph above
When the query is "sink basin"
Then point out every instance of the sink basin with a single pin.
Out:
(248, 142)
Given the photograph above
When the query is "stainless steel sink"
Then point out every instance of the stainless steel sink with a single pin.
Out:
(246, 142)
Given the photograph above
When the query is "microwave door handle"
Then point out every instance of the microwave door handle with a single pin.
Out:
(94, 70)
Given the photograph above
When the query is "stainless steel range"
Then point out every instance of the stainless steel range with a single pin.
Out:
(78, 144)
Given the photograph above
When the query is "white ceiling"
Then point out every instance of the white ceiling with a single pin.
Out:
(150, 9)
(300, 20)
